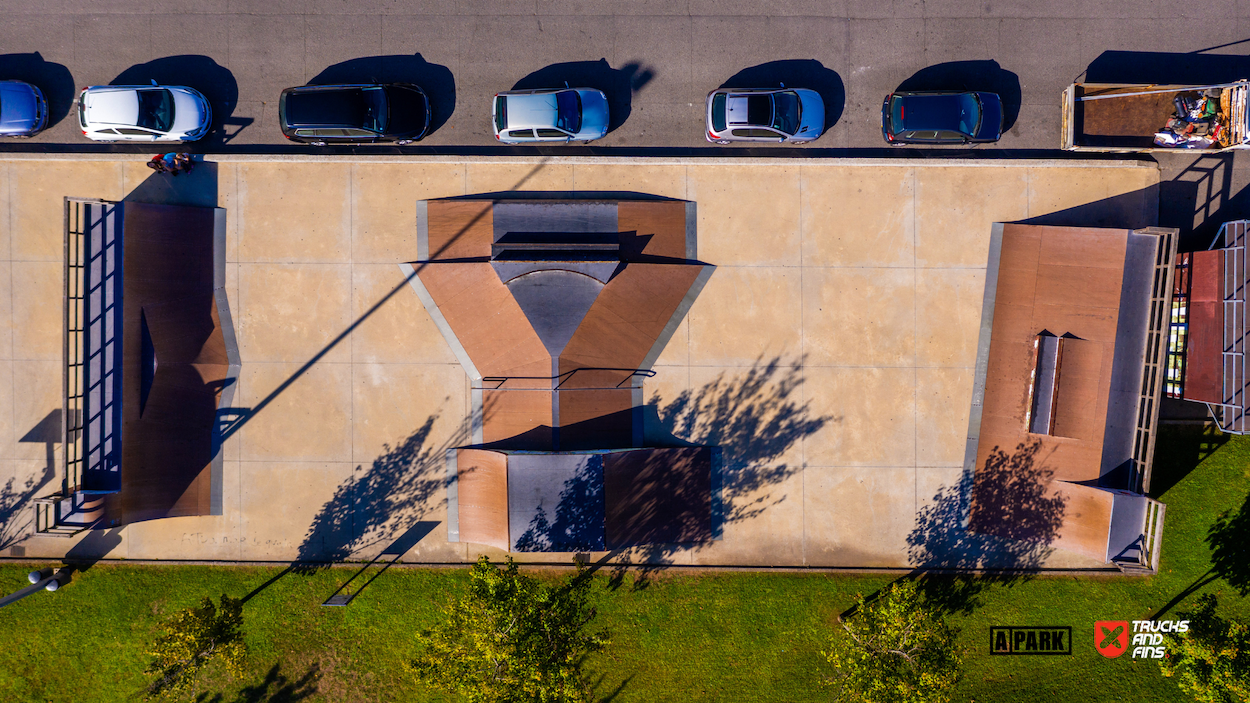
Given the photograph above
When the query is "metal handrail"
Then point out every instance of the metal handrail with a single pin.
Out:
(500, 380)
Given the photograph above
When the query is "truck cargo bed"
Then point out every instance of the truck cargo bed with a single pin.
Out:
(1095, 121)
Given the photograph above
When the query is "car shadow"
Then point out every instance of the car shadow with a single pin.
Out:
(981, 76)
(214, 81)
(52, 78)
(796, 73)
(435, 79)
(619, 84)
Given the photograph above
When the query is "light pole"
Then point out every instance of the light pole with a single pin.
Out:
(43, 579)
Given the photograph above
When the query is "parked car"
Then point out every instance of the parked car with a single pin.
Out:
(559, 115)
(949, 117)
(23, 110)
(143, 113)
(354, 114)
(764, 115)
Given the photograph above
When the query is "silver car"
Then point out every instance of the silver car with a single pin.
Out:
(764, 115)
(560, 115)
(155, 113)
(23, 111)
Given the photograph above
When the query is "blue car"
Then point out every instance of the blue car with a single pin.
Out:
(23, 111)
(941, 118)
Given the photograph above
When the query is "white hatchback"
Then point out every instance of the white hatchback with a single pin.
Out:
(143, 113)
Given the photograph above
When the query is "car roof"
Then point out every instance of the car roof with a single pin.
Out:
(326, 106)
(930, 111)
(114, 106)
(532, 110)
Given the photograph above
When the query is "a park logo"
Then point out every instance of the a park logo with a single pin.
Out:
(1111, 637)
(1031, 640)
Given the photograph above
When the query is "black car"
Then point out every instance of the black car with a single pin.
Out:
(354, 114)
(941, 118)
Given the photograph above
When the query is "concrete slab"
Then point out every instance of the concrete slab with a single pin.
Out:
(859, 516)
(307, 420)
(859, 316)
(948, 316)
(956, 206)
(206, 536)
(859, 217)
(393, 326)
(310, 206)
(291, 312)
(745, 314)
(747, 218)
(943, 401)
(384, 199)
(871, 416)
(37, 192)
(392, 403)
(36, 388)
(664, 180)
(288, 508)
(37, 319)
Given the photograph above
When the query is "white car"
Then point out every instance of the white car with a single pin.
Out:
(143, 113)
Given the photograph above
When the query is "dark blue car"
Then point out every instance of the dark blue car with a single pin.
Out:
(23, 110)
(941, 118)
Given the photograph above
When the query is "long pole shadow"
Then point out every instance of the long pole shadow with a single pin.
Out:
(233, 419)
(1198, 583)
(344, 595)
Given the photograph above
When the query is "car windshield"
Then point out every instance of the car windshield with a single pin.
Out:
(786, 112)
(896, 113)
(969, 113)
(375, 109)
(718, 112)
(156, 109)
(569, 111)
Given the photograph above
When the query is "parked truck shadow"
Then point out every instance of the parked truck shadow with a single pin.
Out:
(435, 79)
(796, 73)
(1163, 68)
(52, 78)
(982, 76)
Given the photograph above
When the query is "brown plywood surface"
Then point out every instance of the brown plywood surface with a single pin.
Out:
(1076, 402)
(659, 225)
(1086, 519)
(482, 497)
(168, 280)
(657, 496)
(460, 229)
(1138, 115)
(596, 419)
(521, 416)
(1204, 361)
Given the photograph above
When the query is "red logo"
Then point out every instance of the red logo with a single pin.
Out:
(1111, 637)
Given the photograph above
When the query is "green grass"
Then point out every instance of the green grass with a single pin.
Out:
(678, 637)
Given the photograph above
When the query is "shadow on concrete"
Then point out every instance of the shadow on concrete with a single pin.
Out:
(981, 76)
(1016, 520)
(215, 82)
(15, 522)
(198, 188)
(796, 73)
(435, 79)
(1200, 198)
(274, 688)
(1156, 67)
(89, 550)
(619, 84)
(381, 503)
(576, 523)
(1133, 210)
(52, 78)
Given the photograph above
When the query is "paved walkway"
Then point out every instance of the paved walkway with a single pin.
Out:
(831, 353)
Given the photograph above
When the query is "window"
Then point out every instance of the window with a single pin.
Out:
(501, 113)
(786, 112)
(358, 133)
(756, 134)
(569, 111)
(718, 112)
(156, 109)
(131, 132)
(520, 134)
(950, 136)
(548, 133)
(306, 133)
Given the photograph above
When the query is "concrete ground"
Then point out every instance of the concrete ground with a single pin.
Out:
(831, 354)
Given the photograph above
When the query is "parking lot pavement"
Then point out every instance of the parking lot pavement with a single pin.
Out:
(830, 355)
(657, 60)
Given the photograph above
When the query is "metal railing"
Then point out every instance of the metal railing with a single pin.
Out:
(563, 378)
(1155, 369)
(74, 342)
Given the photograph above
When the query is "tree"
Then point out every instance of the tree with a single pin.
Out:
(1212, 659)
(512, 639)
(193, 638)
(894, 650)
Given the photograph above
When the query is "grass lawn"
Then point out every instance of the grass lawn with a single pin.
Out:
(682, 637)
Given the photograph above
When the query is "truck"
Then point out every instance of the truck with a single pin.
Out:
(1126, 117)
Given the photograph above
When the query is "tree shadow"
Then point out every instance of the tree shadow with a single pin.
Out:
(755, 417)
(274, 688)
(981, 76)
(1228, 538)
(435, 79)
(1162, 68)
(215, 82)
(380, 503)
(577, 520)
(796, 73)
(619, 84)
(994, 526)
(15, 522)
(53, 79)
